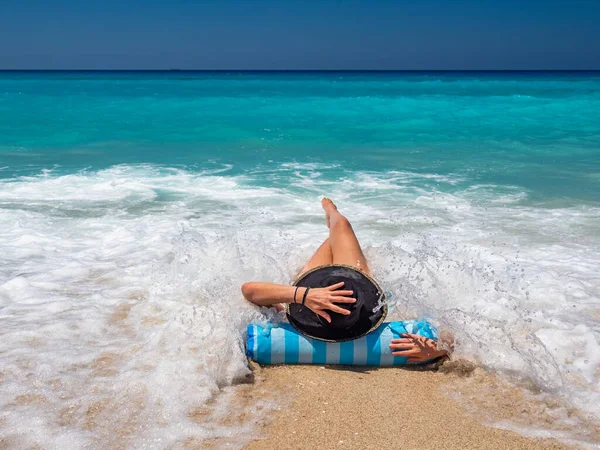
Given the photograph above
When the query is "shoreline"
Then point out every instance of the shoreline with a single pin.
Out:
(355, 407)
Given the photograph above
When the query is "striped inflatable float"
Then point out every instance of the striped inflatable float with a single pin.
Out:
(282, 344)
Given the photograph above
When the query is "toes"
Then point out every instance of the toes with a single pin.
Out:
(326, 202)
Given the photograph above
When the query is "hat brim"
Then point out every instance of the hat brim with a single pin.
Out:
(372, 313)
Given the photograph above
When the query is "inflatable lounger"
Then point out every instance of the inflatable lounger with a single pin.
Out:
(282, 344)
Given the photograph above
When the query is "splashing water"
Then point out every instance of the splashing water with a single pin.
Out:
(122, 312)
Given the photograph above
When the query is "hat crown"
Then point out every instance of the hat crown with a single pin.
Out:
(365, 315)
(341, 321)
(338, 320)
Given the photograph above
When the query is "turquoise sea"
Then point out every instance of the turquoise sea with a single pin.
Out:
(134, 204)
(537, 130)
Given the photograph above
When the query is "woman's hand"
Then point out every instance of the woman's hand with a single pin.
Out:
(320, 299)
(416, 348)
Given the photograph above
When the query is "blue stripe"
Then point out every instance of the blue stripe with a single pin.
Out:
(251, 337)
(397, 329)
(319, 355)
(347, 352)
(292, 346)
(264, 347)
(426, 329)
(435, 334)
(399, 361)
(373, 352)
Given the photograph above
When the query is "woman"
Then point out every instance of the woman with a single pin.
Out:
(324, 302)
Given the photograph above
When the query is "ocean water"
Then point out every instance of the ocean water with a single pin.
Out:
(134, 205)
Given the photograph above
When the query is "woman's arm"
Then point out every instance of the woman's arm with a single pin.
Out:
(269, 294)
(317, 299)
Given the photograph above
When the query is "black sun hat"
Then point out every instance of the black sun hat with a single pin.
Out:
(366, 314)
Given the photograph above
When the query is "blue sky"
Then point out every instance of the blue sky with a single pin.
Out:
(324, 34)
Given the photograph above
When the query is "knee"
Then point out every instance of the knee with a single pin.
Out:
(343, 223)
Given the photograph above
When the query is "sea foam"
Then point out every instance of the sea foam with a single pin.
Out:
(122, 313)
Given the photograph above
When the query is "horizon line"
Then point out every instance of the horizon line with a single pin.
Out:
(299, 70)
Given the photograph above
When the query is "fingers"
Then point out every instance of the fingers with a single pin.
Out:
(410, 352)
(335, 286)
(324, 315)
(346, 293)
(404, 349)
(416, 337)
(343, 300)
(412, 346)
(402, 345)
(339, 310)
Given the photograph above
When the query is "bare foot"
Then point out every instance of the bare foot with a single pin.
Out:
(329, 208)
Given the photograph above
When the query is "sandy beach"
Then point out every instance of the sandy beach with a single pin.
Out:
(365, 408)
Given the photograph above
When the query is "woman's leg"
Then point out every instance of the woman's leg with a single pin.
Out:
(322, 256)
(342, 240)
(341, 247)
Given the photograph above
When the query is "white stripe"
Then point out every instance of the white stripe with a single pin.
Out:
(360, 351)
(387, 359)
(305, 351)
(277, 345)
(332, 352)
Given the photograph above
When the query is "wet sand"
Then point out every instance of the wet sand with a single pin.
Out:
(364, 408)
